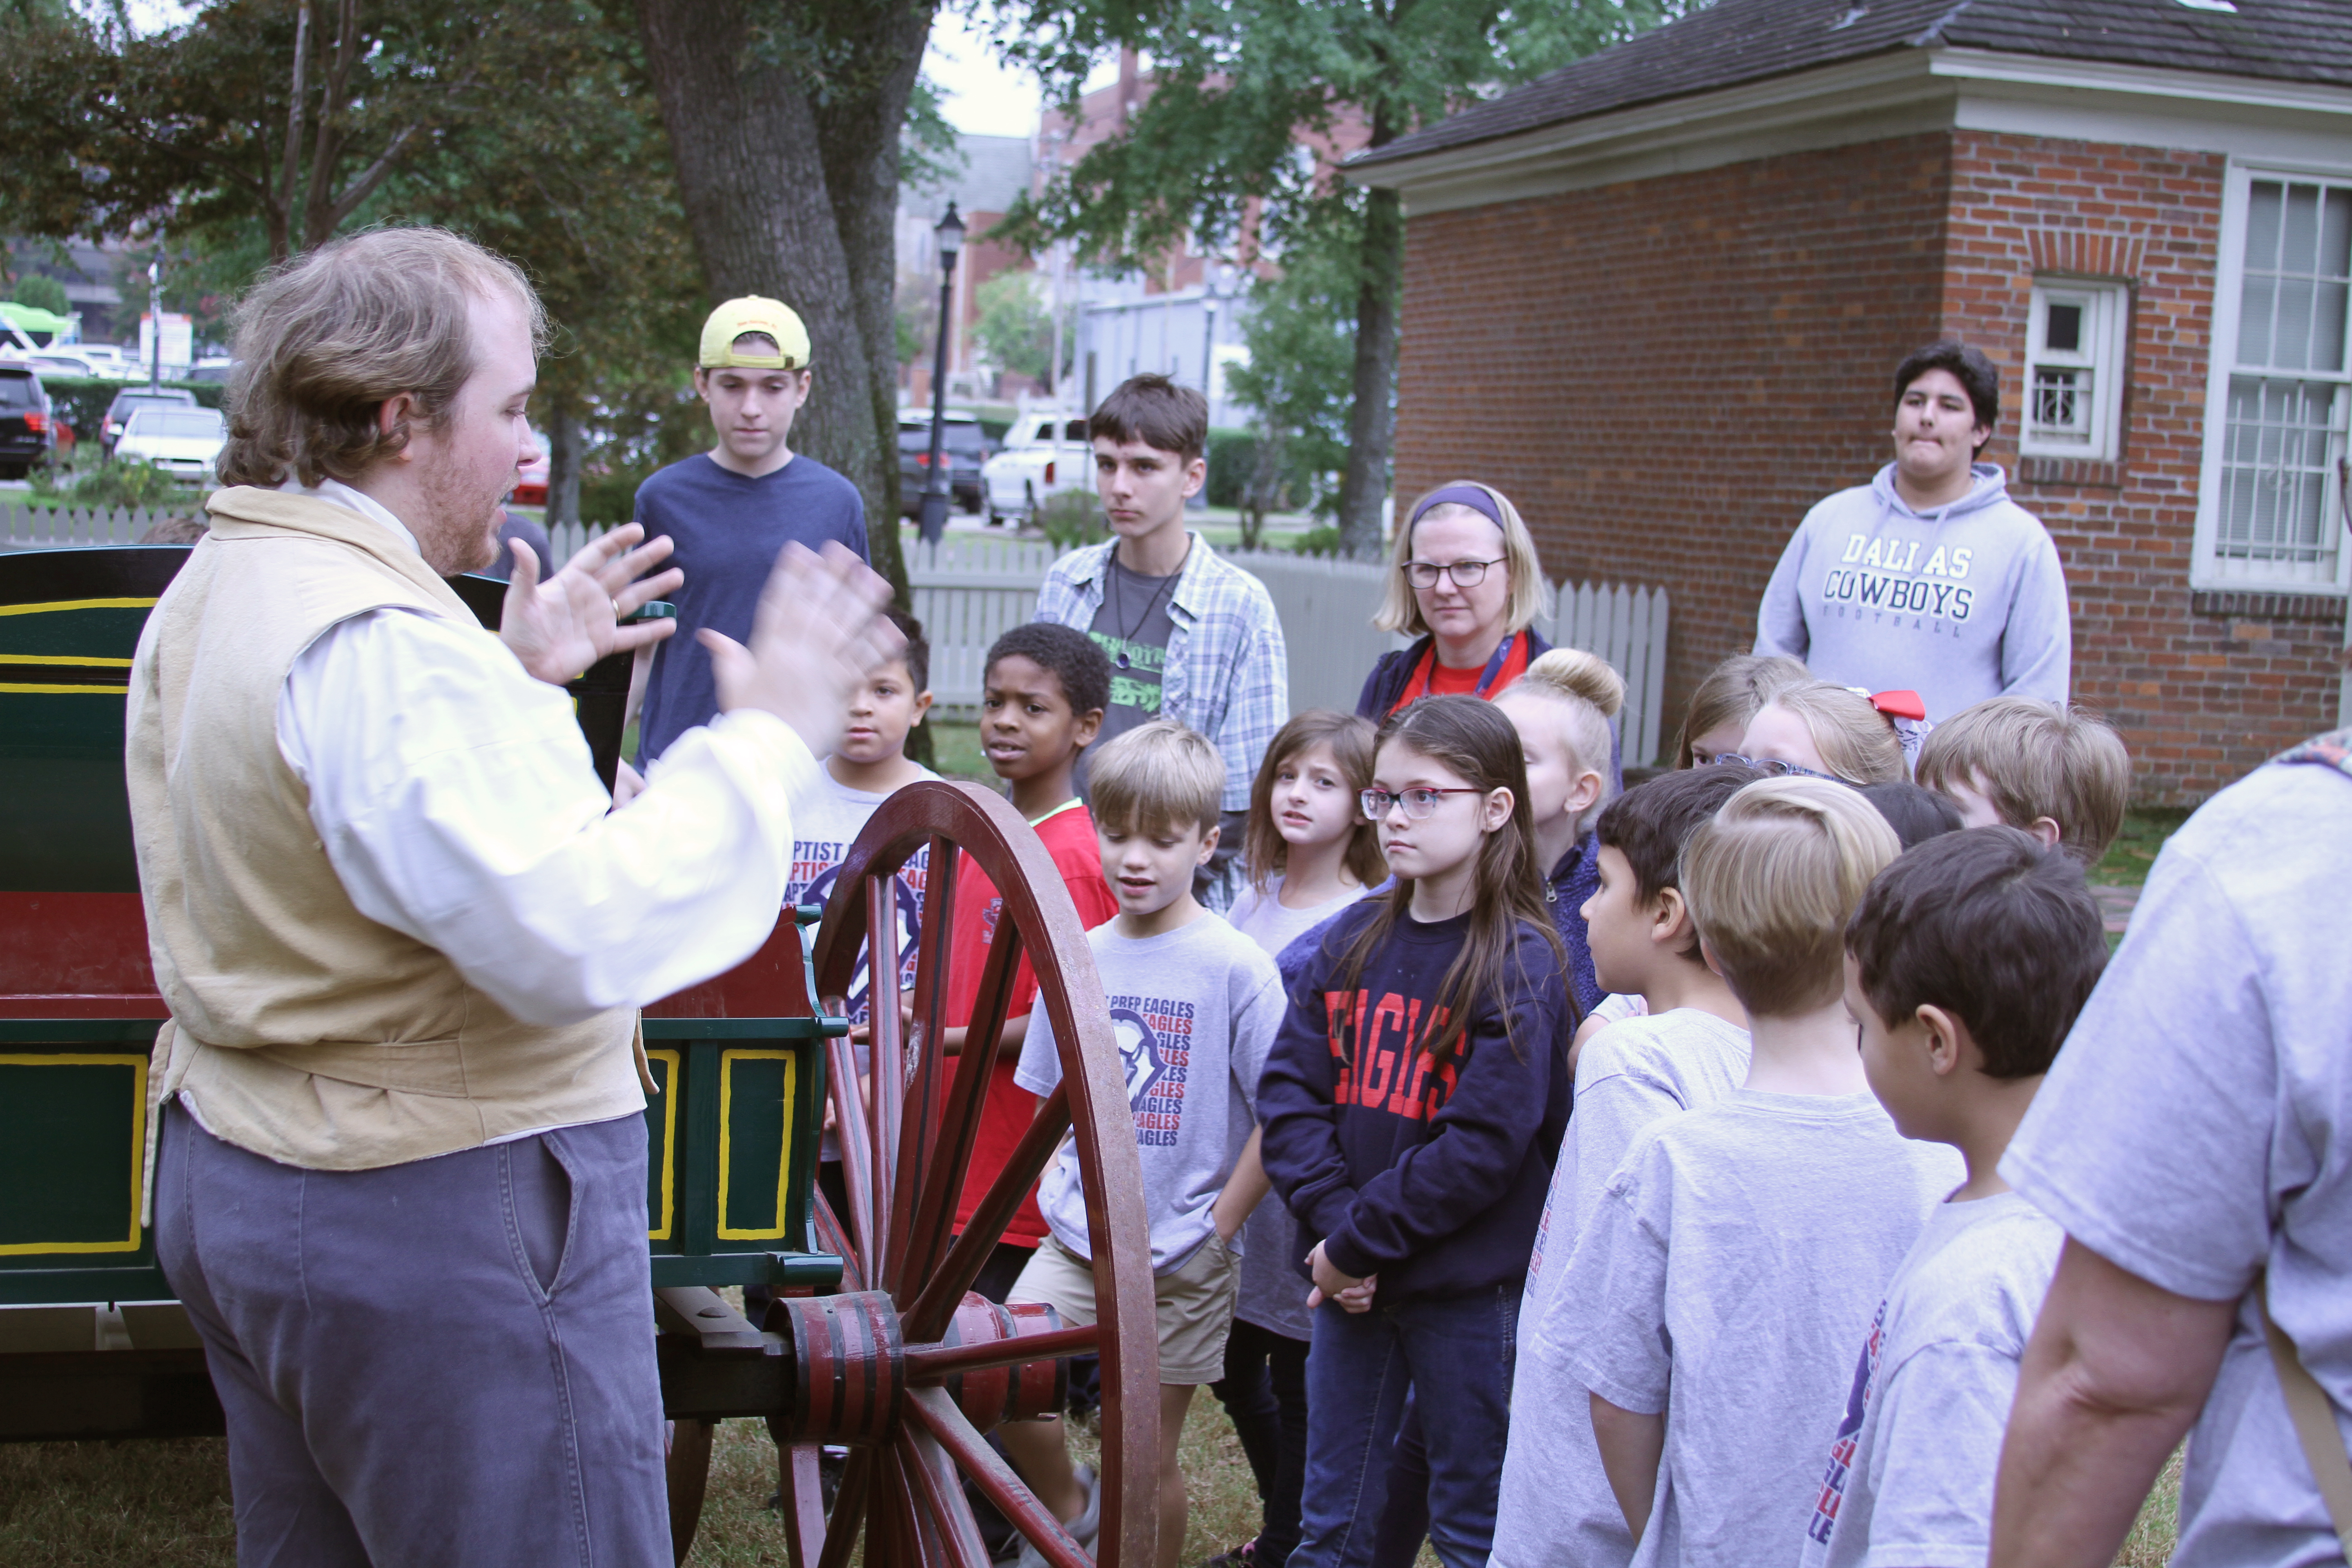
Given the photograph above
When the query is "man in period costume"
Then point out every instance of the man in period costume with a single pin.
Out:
(402, 1168)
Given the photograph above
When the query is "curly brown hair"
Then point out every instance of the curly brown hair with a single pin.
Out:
(324, 339)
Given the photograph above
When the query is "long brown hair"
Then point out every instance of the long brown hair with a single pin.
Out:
(1264, 849)
(1471, 737)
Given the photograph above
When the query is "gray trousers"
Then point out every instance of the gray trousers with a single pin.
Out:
(441, 1363)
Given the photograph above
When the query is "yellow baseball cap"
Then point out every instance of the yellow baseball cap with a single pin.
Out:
(753, 314)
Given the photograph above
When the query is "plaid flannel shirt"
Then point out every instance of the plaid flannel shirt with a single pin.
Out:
(1228, 671)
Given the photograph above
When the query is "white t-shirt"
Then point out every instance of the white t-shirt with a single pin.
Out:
(1195, 1010)
(2197, 1129)
(1555, 1503)
(1908, 1482)
(1724, 1277)
(1273, 1296)
(825, 822)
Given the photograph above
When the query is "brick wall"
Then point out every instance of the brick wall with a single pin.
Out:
(1665, 375)
(2203, 687)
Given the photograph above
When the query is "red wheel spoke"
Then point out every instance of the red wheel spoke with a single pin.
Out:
(928, 1315)
(942, 1494)
(940, 1189)
(848, 1508)
(850, 1130)
(933, 1364)
(801, 1484)
(994, 1477)
(835, 1240)
(886, 1106)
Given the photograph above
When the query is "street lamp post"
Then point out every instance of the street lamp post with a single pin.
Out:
(155, 316)
(1216, 283)
(936, 496)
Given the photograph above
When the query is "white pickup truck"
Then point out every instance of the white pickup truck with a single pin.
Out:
(1045, 452)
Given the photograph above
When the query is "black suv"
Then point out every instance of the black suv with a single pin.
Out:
(27, 429)
(963, 451)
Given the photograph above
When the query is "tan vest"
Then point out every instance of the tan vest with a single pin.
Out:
(301, 1029)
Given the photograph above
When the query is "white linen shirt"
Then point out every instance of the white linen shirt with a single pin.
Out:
(453, 794)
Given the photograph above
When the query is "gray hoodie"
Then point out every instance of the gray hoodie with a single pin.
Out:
(1958, 605)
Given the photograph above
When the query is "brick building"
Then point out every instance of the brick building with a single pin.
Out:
(1657, 298)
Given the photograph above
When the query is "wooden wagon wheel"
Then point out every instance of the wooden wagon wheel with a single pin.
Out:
(907, 1367)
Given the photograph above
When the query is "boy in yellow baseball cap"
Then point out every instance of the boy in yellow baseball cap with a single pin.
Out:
(730, 510)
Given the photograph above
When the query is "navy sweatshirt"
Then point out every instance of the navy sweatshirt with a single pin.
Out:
(1431, 1176)
(1572, 884)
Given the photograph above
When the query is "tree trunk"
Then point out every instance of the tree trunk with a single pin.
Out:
(753, 174)
(1372, 418)
(562, 464)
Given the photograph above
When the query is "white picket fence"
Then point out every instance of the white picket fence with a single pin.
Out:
(969, 590)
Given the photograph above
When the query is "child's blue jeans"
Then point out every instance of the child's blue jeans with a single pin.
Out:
(1458, 1350)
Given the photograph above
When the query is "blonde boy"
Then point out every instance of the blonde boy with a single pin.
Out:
(2060, 773)
(1561, 708)
(1738, 1248)
(1195, 1005)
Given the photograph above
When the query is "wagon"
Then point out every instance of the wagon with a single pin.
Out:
(873, 1339)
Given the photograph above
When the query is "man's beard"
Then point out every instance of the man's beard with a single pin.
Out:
(459, 530)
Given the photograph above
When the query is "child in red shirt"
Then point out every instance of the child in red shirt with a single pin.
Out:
(1042, 700)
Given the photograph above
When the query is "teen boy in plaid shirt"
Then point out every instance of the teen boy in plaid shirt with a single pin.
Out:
(1190, 636)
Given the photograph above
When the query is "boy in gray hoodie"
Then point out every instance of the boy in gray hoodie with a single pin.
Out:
(1928, 578)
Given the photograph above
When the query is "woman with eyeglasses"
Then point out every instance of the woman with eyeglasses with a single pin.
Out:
(1466, 584)
(1821, 731)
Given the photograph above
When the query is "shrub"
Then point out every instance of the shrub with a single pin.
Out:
(1072, 520)
(1322, 541)
(1232, 459)
(113, 484)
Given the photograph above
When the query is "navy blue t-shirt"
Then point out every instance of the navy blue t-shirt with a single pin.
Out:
(727, 530)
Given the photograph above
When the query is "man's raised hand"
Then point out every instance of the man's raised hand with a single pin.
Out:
(559, 627)
(818, 633)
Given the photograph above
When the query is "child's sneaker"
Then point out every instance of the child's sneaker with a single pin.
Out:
(1084, 1529)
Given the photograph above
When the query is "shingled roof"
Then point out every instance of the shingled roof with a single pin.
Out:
(1736, 41)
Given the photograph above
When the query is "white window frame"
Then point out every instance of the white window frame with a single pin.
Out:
(2208, 568)
(2102, 354)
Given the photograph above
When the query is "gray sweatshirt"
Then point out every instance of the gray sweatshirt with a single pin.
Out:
(1958, 605)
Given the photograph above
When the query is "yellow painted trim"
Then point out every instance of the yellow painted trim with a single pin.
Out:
(670, 1141)
(138, 1064)
(62, 659)
(727, 1060)
(76, 604)
(37, 689)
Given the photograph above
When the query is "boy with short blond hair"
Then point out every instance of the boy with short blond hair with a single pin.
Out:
(1195, 1005)
(1689, 1049)
(1966, 965)
(2061, 774)
(1738, 1248)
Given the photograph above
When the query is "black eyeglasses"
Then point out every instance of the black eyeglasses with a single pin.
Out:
(1465, 574)
(1773, 767)
(1419, 802)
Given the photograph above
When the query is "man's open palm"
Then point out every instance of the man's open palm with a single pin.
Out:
(818, 633)
(559, 627)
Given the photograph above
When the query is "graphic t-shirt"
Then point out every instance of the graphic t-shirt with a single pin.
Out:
(1271, 1294)
(1724, 1277)
(1556, 1500)
(2196, 1132)
(727, 530)
(1195, 1010)
(825, 822)
(1069, 835)
(1910, 1471)
(1133, 628)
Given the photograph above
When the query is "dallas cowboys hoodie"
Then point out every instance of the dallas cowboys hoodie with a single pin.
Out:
(1958, 605)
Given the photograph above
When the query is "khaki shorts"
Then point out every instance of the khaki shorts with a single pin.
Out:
(1194, 1307)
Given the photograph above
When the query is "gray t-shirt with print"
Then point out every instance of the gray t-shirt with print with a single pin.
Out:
(1273, 1296)
(2196, 1130)
(1555, 1503)
(1907, 1482)
(1195, 1010)
(1725, 1278)
(1133, 628)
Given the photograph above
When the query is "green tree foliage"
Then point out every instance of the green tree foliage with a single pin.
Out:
(1016, 329)
(42, 292)
(1302, 355)
(1237, 87)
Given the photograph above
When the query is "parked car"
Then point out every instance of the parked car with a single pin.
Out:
(182, 441)
(964, 448)
(531, 484)
(1045, 452)
(72, 361)
(126, 401)
(27, 428)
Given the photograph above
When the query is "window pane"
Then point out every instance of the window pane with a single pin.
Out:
(2297, 288)
(2274, 476)
(2065, 329)
(2062, 402)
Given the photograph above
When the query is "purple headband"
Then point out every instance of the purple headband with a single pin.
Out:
(1472, 495)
